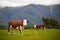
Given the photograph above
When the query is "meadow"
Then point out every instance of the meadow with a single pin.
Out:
(31, 34)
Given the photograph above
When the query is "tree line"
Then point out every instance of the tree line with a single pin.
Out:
(51, 23)
(3, 26)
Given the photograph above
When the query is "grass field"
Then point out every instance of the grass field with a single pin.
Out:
(31, 34)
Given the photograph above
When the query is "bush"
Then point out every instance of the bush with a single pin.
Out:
(3, 27)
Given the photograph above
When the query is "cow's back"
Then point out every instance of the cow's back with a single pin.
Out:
(15, 23)
(39, 25)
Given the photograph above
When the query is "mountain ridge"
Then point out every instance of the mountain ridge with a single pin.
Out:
(31, 12)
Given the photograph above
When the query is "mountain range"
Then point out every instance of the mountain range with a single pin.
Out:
(32, 12)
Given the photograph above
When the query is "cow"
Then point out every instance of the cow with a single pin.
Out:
(20, 24)
(38, 26)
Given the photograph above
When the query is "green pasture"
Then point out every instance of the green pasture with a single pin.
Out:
(31, 34)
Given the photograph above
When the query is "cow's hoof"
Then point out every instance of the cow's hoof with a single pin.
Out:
(14, 33)
(8, 33)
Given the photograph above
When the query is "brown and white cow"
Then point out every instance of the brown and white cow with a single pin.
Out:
(38, 26)
(17, 24)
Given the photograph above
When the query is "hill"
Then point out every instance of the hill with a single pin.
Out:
(31, 12)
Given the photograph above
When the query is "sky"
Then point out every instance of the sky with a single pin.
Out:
(16, 3)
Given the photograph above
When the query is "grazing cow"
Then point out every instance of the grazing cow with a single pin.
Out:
(17, 24)
(39, 26)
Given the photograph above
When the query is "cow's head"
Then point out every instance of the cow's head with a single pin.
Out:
(25, 22)
(34, 26)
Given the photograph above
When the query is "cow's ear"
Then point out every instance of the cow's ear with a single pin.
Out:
(27, 20)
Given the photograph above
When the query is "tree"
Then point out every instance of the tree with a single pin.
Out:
(50, 22)
(46, 22)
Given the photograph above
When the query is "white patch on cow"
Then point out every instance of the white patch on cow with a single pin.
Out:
(20, 27)
(10, 26)
(34, 26)
(17, 27)
(25, 22)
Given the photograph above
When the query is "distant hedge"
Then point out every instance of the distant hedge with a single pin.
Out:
(3, 27)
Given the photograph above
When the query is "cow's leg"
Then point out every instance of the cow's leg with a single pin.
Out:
(44, 27)
(13, 30)
(20, 29)
(38, 28)
(9, 29)
(23, 28)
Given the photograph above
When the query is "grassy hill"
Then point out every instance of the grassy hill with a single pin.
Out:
(31, 34)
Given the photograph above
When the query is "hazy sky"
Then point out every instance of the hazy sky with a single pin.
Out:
(15, 3)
